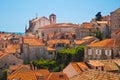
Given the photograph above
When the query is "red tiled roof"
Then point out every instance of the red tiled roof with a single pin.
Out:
(104, 43)
(50, 49)
(13, 48)
(95, 63)
(59, 25)
(76, 67)
(57, 76)
(109, 65)
(83, 66)
(2, 54)
(96, 75)
(78, 42)
(117, 61)
(32, 42)
(28, 74)
(58, 41)
(88, 37)
(87, 25)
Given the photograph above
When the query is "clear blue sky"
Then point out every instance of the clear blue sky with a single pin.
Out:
(15, 14)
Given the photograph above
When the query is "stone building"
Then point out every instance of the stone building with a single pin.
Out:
(115, 34)
(58, 31)
(85, 29)
(75, 68)
(105, 49)
(33, 49)
(58, 44)
(7, 59)
(37, 23)
(115, 20)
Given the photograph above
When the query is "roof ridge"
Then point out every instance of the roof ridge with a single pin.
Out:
(114, 42)
(49, 76)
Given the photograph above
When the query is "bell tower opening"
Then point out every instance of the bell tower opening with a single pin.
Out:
(52, 19)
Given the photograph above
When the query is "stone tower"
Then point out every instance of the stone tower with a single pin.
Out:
(52, 19)
(115, 20)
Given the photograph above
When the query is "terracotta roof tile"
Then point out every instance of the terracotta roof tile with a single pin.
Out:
(28, 74)
(95, 63)
(109, 65)
(76, 67)
(32, 42)
(2, 54)
(18, 67)
(59, 25)
(117, 61)
(104, 43)
(96, 75)
(78, 42)
(13, 48)
(57, 76)
(83, 66)
(50, 49)
(87, 25)
(58, 41)
(88, 37)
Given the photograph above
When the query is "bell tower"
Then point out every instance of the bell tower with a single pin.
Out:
(52, 19)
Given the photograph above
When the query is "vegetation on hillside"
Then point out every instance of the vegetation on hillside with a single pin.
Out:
(62, 59)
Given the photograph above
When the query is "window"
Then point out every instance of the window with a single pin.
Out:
(89, 51)
(40, 49)
(102, 68)
(108, 52)
(96, 67)
(32, 50)
(60, 45)
(98, 51)
(50, 53)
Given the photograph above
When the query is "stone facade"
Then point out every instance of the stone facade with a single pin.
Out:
(33, 49)
(57, 31)
(9, 59)
(32, 52)
(36, 23)
(115, 20)
(85, 29)
(106, 49)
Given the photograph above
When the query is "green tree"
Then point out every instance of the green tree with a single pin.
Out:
(80, 53)
(4, 74)
(65, 56)
(44, 64)
(98, 34)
